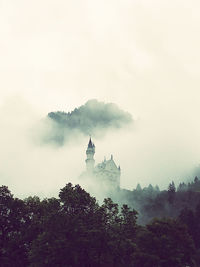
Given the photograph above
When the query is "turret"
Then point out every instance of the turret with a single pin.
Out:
(90, 156)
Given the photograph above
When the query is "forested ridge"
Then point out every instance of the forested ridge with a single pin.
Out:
(92, 118)
(75, 230)
(151, 202)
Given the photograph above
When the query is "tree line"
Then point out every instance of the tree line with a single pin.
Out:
(151, 202)
(75, 230)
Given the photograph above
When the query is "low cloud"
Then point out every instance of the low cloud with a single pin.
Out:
(93, 118)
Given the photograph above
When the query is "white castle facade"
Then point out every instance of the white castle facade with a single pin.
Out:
(105, 174)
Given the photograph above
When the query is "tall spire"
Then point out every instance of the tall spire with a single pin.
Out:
(90, 156)
(90, 142)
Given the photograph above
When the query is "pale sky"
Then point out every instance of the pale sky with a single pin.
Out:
(142, 55)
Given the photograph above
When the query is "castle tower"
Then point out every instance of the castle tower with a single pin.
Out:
(90, 156)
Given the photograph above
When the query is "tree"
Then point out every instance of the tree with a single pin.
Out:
(12, 220)
(171, 192)
(167, 243)
(68, 230)
(157, 188)
(74, 199)
(138, 187)
(182, 187)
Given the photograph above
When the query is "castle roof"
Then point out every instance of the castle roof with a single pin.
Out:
(107, 165)
(90, 144)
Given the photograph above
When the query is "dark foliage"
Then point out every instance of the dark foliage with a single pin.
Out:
(74, 230)
(150, 202)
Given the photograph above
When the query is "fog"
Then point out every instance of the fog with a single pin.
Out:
(146, 153)
(93, 118)
(142, 56)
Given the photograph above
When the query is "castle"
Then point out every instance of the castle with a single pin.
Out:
(106, 174)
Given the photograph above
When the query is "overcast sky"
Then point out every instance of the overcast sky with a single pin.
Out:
(142, 55)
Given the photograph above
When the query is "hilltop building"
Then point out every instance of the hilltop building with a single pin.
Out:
(105, 174)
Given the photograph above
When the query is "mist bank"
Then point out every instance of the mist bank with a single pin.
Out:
(93, 118)
(146, 152)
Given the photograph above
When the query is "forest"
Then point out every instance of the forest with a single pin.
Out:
(75, 230)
